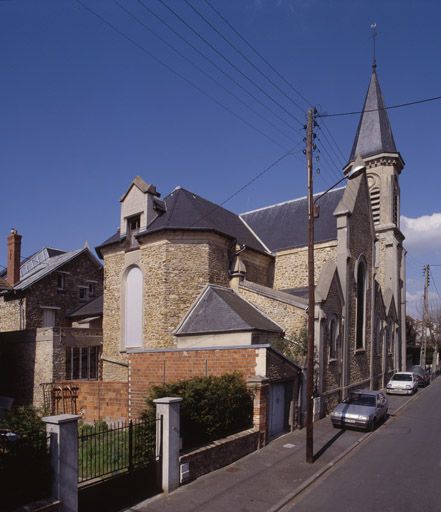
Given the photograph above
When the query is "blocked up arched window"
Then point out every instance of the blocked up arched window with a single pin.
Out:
(133, 308)
(333, 338)
(361, 305)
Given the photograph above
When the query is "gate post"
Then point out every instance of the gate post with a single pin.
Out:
(169, 409)
(64, 459)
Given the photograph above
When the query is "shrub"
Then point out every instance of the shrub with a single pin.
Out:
(212, 407)
(24, 461)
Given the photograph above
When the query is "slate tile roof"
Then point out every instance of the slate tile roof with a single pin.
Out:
(285, 225)
(185, 210)
(92, 309)
(220, 310)
(374, 133)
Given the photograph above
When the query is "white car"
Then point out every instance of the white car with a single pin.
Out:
(402, 383)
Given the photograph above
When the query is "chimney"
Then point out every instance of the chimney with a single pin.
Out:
(14, 249)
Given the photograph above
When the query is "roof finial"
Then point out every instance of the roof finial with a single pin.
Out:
(374, 37)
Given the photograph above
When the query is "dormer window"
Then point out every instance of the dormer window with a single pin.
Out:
(82, 293)
(133, 223)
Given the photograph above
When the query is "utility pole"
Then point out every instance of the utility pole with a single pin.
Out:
(423, 349)
(311, 290)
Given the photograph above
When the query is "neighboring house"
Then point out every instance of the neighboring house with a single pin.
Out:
(38, 338)
(184, 275)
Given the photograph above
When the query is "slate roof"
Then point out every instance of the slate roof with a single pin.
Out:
(91, 309)
(285, 225)
(220, 310)
(185, 210)
(42, 263)
(374, 133)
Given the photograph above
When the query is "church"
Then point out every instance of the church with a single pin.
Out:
(187, 281)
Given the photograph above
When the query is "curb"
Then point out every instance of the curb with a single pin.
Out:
(309, 481)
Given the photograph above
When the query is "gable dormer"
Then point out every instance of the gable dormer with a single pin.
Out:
(138, 207)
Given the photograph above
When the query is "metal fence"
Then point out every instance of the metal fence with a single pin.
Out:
(105, 451)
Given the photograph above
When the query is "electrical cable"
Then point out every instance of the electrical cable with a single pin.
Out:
(226, 59)
(159, 18)
(400, 105)
(244, 57)
(169, 68)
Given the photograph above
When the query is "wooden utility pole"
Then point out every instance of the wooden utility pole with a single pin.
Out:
(423, 349)
(311, 291)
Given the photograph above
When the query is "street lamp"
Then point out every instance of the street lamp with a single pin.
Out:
(357, 167)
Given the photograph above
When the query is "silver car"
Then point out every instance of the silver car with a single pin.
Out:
(361, 409)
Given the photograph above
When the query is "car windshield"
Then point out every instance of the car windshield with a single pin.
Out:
(402, 376)
(368, 400)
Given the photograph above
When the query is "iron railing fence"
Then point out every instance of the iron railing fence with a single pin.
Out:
(104, 450)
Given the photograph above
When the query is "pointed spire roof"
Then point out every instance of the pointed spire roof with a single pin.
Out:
(374, 133)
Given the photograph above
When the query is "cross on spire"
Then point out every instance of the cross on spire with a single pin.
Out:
(374, 37)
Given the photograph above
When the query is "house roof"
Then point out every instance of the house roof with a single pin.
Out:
(374, 133)
(143, 187)
(220, 309)
(285, 225)
(4, 285)
(43, 263)
(93, 308)
(185, 210)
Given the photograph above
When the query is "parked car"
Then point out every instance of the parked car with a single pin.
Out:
(402, 383)
(422, 374)
(362, 409)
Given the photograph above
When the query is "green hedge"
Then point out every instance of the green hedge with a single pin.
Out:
(212, 407)
(24, 463)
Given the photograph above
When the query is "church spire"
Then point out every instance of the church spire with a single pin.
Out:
(374, 133)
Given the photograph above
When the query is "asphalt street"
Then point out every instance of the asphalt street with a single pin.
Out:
(397, 469)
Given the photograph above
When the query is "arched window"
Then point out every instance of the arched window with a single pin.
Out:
(333, 338)
(361, 305)
(133, 308)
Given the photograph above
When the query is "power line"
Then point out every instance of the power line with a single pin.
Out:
(226, 59)
(400, 105)
(204, 56)
(169, 68)
(307, 102)
(244, 57)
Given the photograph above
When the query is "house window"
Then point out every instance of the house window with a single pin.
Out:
(82, 363)
(48, 317)
(333, 336)
(133, 223)
(61, 281)
(82, 293)
(133, 311)
(91, 290)
(361, 306)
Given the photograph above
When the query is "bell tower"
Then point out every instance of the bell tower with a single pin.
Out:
(375, 143)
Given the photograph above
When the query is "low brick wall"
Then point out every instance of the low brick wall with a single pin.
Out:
(98, 400)
(149, 368)
(219, 454)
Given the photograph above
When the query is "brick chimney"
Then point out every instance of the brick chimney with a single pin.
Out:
(14, 249)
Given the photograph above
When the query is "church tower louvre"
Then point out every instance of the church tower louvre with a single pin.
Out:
(374, 142)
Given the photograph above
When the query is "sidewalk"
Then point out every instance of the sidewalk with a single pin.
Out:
(264, 480)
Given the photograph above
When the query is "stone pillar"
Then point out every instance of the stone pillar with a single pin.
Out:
(63, 433)
(260, 389)
(169, 409)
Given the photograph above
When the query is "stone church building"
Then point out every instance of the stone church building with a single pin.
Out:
(191, 288)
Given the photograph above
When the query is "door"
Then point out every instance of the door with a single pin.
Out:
(277, 423)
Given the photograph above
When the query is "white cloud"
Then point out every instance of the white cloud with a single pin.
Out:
(423, 234)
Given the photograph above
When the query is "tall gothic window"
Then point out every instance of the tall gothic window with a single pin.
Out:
(361, 305)
(133, 325)
(333, 337)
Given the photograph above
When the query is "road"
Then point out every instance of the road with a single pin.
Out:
(398, 469)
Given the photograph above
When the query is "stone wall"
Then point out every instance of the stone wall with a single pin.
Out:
(291, 266)
(79, 272)
(149, 368)
(100, 401)
(291, 318)
(10, 313)
(219, 453)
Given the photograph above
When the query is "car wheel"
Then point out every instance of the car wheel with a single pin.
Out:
(372, 425)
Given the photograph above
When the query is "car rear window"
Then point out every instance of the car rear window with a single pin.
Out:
(368, 400)
(402, 376)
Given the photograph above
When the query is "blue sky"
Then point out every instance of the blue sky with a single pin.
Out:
(84, 110)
